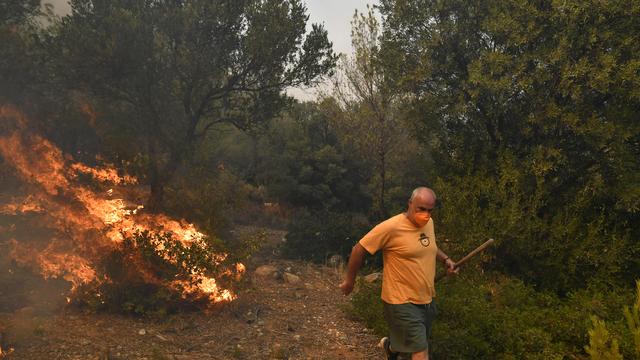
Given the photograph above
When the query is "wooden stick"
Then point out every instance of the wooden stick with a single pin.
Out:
(467, 257)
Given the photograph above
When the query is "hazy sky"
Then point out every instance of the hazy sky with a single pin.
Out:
(334, 14)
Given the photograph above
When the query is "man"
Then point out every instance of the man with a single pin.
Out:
(409, 254)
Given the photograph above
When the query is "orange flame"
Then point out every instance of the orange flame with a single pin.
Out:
(104, 175)
(91, 222)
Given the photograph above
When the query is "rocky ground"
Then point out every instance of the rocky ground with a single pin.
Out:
(286, 310)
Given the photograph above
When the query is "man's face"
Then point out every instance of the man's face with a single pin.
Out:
(420, 209)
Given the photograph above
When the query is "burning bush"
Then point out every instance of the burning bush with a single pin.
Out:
(83, 224)
(153, 273)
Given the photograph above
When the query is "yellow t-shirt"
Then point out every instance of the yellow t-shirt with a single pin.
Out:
(409, 259)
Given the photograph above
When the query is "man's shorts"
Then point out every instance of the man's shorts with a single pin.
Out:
(409, 325)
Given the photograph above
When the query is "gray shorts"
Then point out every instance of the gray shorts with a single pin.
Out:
(409, 325)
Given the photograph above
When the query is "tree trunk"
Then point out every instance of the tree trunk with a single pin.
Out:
(156, 200)
(382, 156)
(383, 186)
(156, 182)
(253, 166)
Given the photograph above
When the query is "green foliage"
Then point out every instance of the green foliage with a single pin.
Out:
(21, 55)
(532, 244)
(604, 345)
(366, 305)
(207, 197)
(18, 11)
(498, 317)
(601, 345)
(302, 163)
(148, 275)
(173, 70)
(633, 320)
(316, 235)
(529, 111)
(502, 319)
(366, 114)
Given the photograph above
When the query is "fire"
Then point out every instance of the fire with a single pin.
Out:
(104, 175)
(87, 223)
(5, 353)
(26, 205)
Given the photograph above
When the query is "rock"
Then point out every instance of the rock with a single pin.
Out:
(142, 332)
(278, 276)
(335, 261)
(27, 311)
(290, 278)
(373, 277)
(296, 337)
(265, 270)
(250, 317)
(308, 286)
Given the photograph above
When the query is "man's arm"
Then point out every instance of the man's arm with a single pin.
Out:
(448, 263)
(355, 262)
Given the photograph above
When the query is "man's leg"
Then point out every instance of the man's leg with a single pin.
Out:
(422, 355)
(429, 315)
(407, 330)
(385, 344)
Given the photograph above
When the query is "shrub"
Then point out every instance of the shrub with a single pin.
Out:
(211, 200)
(366, 305)
(499, 317)
(315, 236)
(150, 274)
(604, 345)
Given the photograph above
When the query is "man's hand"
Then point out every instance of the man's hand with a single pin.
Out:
(451, 267)
(355, 262)
(347, 287)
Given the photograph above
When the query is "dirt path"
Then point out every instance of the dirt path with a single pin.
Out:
(275, 317)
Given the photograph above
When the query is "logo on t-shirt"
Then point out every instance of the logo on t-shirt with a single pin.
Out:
(424, 240)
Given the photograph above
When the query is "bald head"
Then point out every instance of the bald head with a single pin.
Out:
(423, 193)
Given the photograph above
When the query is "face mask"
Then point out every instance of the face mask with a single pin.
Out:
(421, 218)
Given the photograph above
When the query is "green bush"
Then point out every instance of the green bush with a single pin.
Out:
(545, 159)
(605, 344)
(317, 235)
(366, 305)
(499, 317)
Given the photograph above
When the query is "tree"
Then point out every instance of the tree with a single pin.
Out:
(18, 12)
(368, 119)
(18, 45)
(531, 112)
(174, 69)
(603, 345)
(303, 164)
